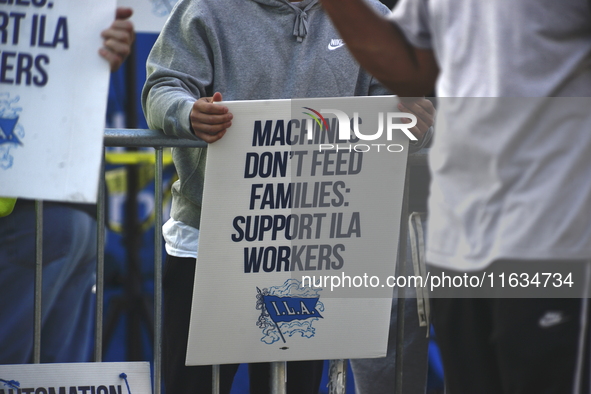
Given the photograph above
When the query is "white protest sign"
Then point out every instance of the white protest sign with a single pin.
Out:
(298, 236)
(53, 93)
(149, 16)
(76, 378)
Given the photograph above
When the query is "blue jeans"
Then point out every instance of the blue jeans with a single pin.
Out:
(69, 261)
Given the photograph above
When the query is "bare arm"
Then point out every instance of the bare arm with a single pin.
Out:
(381, 48)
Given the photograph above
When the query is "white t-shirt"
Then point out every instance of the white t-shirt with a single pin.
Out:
(511, 168)
(180, 239)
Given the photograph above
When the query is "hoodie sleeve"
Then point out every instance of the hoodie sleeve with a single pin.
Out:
(179, 70)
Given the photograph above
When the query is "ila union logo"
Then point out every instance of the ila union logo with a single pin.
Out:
(11, 132)
(287, 311)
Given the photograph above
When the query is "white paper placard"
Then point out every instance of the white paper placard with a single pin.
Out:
(53, 92)
(76, 378)
(149, 16)
(342, 209)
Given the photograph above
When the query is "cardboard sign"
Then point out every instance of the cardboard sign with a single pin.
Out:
(149, 16)
(76, 378)
(298, 236)
(53, 93)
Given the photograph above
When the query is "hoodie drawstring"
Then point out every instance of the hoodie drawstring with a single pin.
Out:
(300, 27)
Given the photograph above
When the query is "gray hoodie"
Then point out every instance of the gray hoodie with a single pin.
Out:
(247, 50)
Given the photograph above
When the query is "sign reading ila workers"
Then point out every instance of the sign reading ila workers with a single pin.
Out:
(53, 91)
(299, 195)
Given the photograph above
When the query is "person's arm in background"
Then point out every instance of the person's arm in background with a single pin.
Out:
(381, 48)
(118, 38)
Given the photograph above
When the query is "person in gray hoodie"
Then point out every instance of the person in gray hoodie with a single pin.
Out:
(245, 50)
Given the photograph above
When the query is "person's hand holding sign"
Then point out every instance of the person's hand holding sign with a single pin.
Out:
(209, 121)
(424, 110)
(117, 39)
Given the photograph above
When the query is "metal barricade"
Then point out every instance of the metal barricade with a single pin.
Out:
(138, 138)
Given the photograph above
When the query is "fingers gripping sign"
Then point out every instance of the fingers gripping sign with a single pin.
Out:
(209, 121)
(118, 38)
(424, 110)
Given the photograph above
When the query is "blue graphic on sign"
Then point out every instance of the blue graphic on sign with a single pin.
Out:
(11, 133)
(7, 127)
(288, 310)
(284, 309)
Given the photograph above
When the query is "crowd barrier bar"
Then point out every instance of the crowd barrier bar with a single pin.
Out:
(139, 138)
